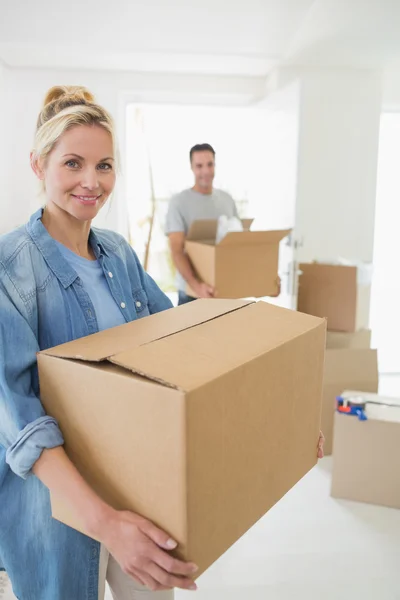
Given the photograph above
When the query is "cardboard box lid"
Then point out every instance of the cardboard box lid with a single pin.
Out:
(241, 238)
(343, 365)
(186, 363)
(362, 270)
(100, 346)
(180, 360)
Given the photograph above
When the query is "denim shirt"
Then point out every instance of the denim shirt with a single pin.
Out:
(43, 304)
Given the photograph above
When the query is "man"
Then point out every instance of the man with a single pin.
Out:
(202, 201)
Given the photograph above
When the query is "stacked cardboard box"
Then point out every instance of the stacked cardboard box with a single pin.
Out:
(339, 294)
(345, 369)
(366, 463)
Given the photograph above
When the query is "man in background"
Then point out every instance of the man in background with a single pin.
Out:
(202, 201)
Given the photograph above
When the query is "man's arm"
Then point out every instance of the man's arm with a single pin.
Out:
(182, 263)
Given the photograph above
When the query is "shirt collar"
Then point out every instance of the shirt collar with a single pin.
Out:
(51, 254)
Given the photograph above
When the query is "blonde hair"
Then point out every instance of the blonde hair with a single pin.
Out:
(64, 107)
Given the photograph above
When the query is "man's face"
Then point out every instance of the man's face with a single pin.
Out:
(203, 167)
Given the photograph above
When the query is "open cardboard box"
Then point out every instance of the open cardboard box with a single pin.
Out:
(243, 265)
(366, 461)
(200, 418)
(335, 292)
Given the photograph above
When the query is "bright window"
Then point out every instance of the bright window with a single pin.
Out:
(385, 301)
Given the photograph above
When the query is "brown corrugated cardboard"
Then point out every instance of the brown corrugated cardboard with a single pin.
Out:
(200, 418)
(366, 463)
(339, 340)
(345, 369)
(244, 264)
(333, 292)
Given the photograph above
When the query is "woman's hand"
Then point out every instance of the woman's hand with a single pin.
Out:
(141, 549)
(137, 545)
(321, 442)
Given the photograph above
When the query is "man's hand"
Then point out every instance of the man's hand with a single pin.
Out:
(278, 288)
(203, 290)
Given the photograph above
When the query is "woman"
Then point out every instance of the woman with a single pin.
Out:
(60, 280)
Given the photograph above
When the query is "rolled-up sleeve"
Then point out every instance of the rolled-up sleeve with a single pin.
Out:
(25, 429)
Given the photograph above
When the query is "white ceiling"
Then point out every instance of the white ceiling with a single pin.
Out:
(227, 37)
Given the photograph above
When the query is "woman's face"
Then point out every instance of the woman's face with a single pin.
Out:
(79, 173)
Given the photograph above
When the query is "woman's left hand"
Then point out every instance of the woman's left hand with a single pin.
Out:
(321, 442)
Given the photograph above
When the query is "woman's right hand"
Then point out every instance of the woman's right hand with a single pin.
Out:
(141, 549)
(137, 545)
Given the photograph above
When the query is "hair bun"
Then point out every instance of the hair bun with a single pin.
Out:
(69, 94)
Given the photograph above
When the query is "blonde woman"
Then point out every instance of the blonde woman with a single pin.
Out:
(61, 279)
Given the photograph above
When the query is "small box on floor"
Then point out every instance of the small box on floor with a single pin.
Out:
(336, 340)
(345, 369)
(339, 293)
(200, 418)
(366, 462)
(244, 264)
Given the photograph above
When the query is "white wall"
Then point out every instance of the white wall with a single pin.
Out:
(337, 163)
(276, 197)
(25, 89)
(338, 143)
(23, 96)
(391, 90)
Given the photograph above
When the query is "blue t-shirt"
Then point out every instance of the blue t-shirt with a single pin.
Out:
(107, 311)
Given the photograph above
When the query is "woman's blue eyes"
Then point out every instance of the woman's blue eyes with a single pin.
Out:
(73, 164)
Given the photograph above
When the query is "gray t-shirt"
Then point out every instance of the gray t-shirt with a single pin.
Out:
(189, 206)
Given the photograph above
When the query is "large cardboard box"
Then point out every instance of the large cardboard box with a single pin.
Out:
(336, 292)
(345, 369)
(200, 418)
(366, 462)
(339, 340)
(243, 265)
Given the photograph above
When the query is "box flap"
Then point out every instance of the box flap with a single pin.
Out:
(203, 229)
(100, 346)
(247, 223)
(321, 271)
(206, 229)
(187, 361)
(238, 238)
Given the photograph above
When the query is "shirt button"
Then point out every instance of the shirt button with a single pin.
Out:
(110, 274)
(138, 304)
(123, 305)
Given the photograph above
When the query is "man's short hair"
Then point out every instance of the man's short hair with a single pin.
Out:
(201, 148)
